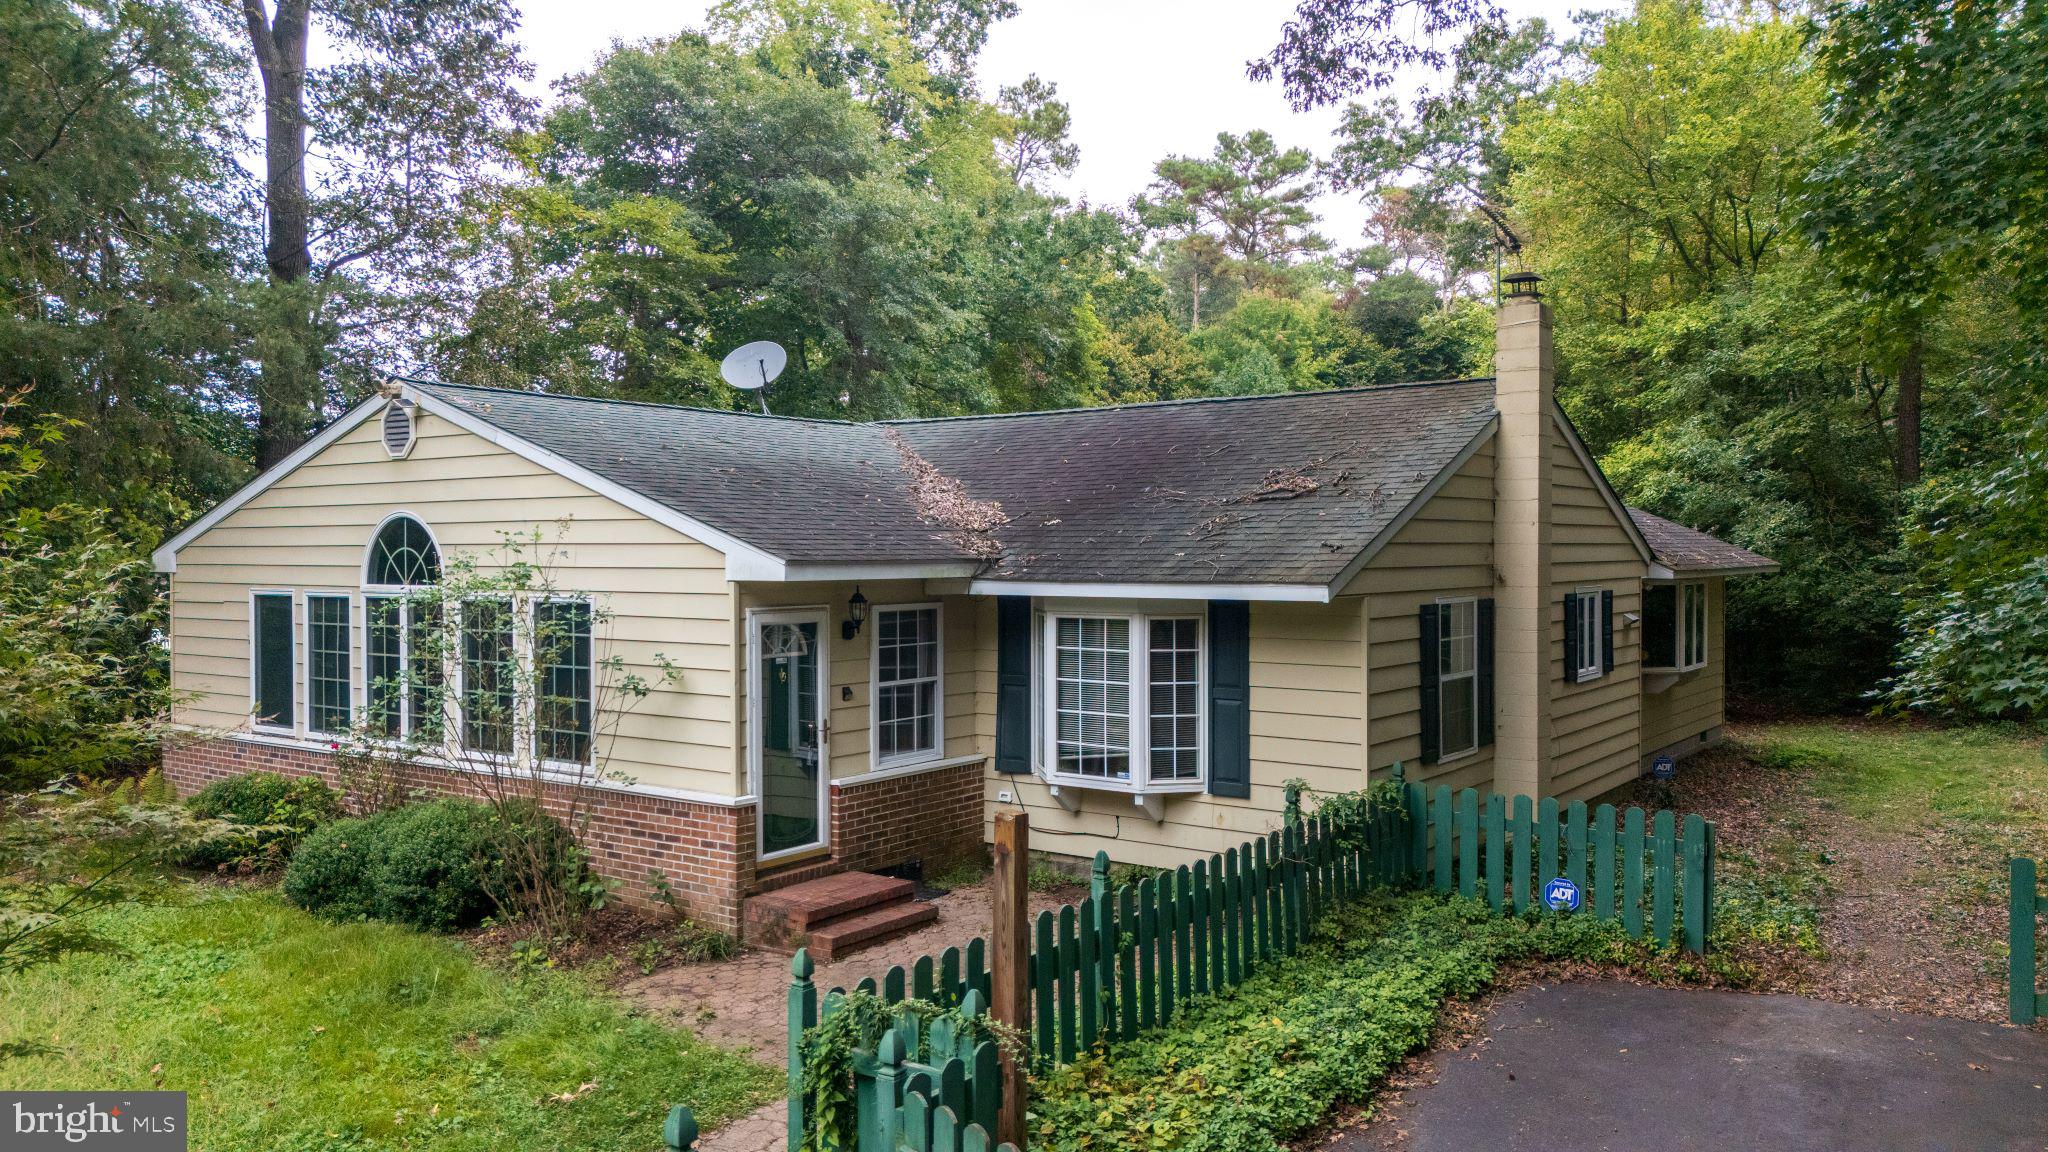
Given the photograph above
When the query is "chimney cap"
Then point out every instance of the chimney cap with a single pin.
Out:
(1521, 283)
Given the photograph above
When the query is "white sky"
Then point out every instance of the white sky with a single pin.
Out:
(1144, 78)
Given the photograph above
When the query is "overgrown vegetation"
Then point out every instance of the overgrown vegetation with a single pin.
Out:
(297, 1034)
(275, 813)
(436, 866)
(1253, 1068)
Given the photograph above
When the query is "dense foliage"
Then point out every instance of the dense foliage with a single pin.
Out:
(1248, 1070)
(435, 866)
(272, 814)
(1795, 257)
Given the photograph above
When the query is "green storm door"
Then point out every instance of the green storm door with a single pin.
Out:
(786, 709)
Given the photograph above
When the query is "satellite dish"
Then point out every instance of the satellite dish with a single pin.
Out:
(752, 366)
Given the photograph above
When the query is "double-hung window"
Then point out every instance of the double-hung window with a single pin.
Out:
(561, 656)
(909, 700)
(1457, 672)
(271, 675)
(329, 685)
(1124, 699)
(1586, 635)
(1675, 626)
(489, 689)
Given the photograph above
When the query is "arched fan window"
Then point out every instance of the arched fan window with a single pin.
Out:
(403, 555)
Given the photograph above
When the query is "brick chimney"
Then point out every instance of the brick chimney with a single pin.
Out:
(1523, 383)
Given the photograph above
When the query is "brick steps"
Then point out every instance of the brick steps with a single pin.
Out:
(835, 915)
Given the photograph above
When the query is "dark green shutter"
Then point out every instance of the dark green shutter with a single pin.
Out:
(1427, 638)
(1230, 706)
(1013, 683)
(1607, 629)
(1571, 637)
(273, 703)
(1485, 664)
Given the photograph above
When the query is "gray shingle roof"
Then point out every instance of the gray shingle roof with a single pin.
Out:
(1257, 490)
(1683, 549)
(808, 491)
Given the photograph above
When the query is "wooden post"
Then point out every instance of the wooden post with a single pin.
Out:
(2023, 999)
(1011, 945)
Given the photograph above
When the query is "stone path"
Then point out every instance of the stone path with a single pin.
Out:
(743, 1003)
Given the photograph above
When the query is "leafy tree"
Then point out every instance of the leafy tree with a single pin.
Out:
(1335, 48)
(1250, 194)
(1037, 144)
(1937, 118)
(405, 120)
(1450, 146)
(117, 232)
(1272, 343)
(83, 685)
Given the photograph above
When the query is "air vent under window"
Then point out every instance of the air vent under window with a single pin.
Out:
(398, 433)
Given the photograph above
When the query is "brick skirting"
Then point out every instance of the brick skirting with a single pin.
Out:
(933, 818)
(706, 851)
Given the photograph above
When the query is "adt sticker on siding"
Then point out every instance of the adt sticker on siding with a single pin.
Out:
(1562, 895)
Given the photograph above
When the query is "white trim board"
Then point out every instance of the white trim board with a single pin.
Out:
(166, 556)
(1305, 593)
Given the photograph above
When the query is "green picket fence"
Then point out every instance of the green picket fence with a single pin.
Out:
(2024, 1001)
(1126, 961)
(1653, 873)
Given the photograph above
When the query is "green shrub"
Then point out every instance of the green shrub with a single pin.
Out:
(279, 810)
(330, 872)
(437, 866)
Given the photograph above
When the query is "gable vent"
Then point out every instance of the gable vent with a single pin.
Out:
(398, 431)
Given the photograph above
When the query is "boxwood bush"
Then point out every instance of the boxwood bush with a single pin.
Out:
(279, 810)
(435, 866)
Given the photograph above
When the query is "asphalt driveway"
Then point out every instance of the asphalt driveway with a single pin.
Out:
(1598, 1065)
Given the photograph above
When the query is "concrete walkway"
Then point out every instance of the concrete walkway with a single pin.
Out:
(1602, 1065)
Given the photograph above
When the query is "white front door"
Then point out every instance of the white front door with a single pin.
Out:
(786, 741)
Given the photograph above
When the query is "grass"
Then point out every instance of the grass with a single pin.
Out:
(1900, 775)
(291, 1033)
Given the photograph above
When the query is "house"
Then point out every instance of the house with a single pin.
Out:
(1135, 622)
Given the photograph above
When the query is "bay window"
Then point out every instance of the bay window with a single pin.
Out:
(1124, 699)
(1675, 626)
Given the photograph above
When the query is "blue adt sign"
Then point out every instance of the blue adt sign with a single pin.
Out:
(1562, 895)
(1663, 768)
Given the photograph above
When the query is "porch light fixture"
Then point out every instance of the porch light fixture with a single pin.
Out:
(857, 615)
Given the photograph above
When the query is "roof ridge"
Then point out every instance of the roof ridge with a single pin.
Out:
(624, 403)
(1188, 401)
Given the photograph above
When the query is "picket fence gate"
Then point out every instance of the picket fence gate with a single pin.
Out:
(2025, 1003)
(1127, 961)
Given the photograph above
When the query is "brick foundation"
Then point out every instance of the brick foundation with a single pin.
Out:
(706, 851)
(933, 818)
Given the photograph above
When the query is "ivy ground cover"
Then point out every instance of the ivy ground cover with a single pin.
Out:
(1247, 1070)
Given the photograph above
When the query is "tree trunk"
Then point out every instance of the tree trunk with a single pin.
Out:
(287, 393)
(1195, 312)
(1912, 375)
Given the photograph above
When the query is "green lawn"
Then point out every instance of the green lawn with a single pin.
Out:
(1991, 779)
(293, 1033)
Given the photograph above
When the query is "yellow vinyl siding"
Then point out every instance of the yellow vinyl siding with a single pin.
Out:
(1595, 727)
(1445, 551)
(310, 531)
(1694, 704)
(850, 692)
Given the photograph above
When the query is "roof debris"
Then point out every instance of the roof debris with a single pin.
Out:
(939, 498)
